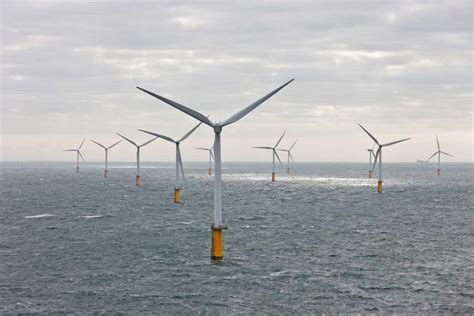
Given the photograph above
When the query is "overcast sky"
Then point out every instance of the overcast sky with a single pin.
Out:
(400, 68)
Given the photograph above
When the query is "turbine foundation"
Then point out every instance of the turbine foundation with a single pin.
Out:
(217, 250)
(209, 172)
(370, 174)
(106, 173)
(177, 195)
(288, 170)
(379, 186)
(273, 176)
(77, 169)
(439, 172)
(138, 181)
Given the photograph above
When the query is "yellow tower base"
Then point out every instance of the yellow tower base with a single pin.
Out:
(217, 250)
(177, 195)
(370, 174)
(379, 186)
(209, 172)
(106, 173)
(273, 176)
(138, 181)
(439, 172)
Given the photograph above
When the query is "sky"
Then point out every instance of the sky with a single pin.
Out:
(69, 70)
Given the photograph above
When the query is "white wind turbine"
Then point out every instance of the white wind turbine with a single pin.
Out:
(78, 154)
(217, 250)
(439, 152)
(138, 178)
(106, 171)
(274, 153)
(289, 156)
(179, 162)
(211, 156)
(378, 156)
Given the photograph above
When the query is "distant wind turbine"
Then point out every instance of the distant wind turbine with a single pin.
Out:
(274, 153)
(378, 155)
(217, 250)
(106, 154)
(138, 178)
(78, 154)
(439, 152)
(211, 156)
(289, 156)
(179, 162)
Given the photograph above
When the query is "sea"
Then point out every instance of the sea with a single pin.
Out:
(319, 240)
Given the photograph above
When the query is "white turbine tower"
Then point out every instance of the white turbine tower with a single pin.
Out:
(274, 153)
(106, 171)
(211, 156)
(289, 156)
(179, 162)
(78, 154)
(138, 178)
(439, 152)
(378, 155)
(217, 250)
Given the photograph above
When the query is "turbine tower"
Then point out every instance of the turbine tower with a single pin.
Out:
(274, 152)
(138, 178)
(106, 171)
(78, 154)
(217, 249)
(289, 156)
(211, 156)
(439, 152)
(179, 162)
(378, 155)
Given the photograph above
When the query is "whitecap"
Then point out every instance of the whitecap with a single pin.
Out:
(91, 216)
(39, 216)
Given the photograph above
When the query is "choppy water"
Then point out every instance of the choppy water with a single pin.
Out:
(320, 240)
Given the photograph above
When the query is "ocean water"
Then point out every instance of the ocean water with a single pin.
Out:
(319, 240)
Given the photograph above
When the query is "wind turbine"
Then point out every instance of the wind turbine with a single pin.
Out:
(378, 155)
(78, 154)
(217, 249)
(273, 149)
(211, 156)
(138, 178)
(179, 162)
(371, 154)
(289, 155)
(106, 152)
(439, 152)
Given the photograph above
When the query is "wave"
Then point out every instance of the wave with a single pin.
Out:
(39, 216)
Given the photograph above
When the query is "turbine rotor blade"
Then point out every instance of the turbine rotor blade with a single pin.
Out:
(212, 155)
(129, 140)
(432, 156)
(293, 145)
(82, 143)
(97, 143)
(198, 116)
(180, 162)
(395, 142)
(289, 153)
(80, 155)
(189, 133)
(446, 153)
(69, 149)
(437, 142)
(376, 157)
(146, 143)
(201, 148)
(114, 144)
(370, 135)
(264, 148)
(278, 142)
(159, 135)
(237, 116)
(276, 154)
